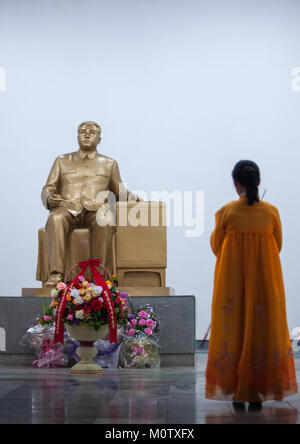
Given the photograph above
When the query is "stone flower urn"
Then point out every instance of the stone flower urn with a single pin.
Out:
(86, 350)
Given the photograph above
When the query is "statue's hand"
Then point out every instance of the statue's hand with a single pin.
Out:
(55, 201)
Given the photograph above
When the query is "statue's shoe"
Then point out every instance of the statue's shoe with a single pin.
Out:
(53, 280)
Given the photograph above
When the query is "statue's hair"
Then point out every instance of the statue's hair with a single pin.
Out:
(91, 124)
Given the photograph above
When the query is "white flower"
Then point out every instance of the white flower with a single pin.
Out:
(78, 300)
(98, 289)
(54, 293)
(79, 314)
(74, 293)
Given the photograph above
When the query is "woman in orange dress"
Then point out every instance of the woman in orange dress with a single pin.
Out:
(250, 355)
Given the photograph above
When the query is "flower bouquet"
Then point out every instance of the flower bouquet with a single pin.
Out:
(40, 338)
(140, 347)
(108, 354)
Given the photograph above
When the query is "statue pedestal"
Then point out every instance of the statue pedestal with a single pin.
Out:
(148, 291)
(132, 291)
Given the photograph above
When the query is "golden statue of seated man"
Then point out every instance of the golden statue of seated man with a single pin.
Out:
(70, 194)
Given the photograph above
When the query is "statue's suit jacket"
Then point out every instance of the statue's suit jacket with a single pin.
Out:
(79, 177)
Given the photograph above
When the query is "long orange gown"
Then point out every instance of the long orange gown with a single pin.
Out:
(250, 355)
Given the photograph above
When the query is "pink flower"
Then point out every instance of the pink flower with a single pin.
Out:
(70, 317)
(47, 318)
(131, 332)
(81, 278)
(148, 331)
(142, 314)
(150, 322)
(142, 322)
(133, 322)
(61, 286)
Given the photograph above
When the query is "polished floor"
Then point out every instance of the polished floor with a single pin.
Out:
(165, 396)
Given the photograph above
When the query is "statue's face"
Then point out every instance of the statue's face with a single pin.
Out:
(88, 137)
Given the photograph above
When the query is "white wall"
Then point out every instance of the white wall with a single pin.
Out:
(183, 89)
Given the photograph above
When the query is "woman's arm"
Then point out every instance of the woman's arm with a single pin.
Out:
(278, 230)
(218, 235)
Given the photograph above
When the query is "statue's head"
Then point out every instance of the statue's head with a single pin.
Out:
(89, 135)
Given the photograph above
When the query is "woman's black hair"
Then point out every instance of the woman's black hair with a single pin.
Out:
(247, 174)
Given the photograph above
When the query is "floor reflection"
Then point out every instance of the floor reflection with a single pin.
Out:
(269, 414)
(165, 396)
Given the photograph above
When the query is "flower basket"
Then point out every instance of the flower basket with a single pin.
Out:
(89, 310)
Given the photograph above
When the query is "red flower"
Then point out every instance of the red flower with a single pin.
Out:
(87, 309)
(96, 305)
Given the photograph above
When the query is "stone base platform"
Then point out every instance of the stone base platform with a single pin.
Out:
(132, 291)
(176, 314)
